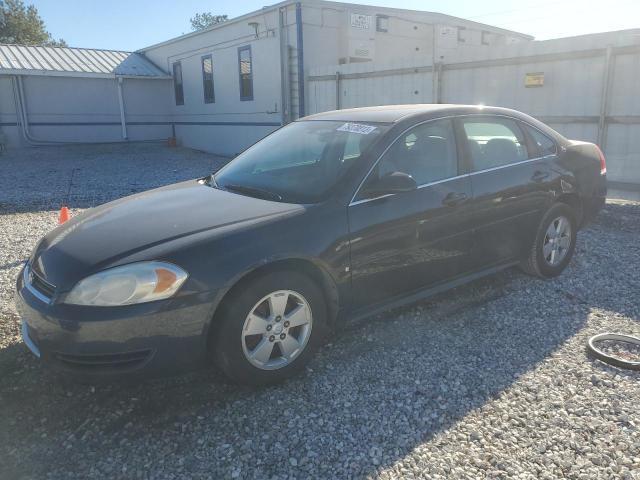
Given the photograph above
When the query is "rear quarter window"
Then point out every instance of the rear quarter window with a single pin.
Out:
(544, 145)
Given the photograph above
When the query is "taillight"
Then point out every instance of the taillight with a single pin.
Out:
(603, 162)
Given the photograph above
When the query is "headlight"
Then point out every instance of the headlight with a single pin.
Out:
(129, 284)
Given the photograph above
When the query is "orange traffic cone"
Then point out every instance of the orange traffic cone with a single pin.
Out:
(64, 215)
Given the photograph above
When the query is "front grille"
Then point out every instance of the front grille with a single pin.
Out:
(41, 285)
(106, 362)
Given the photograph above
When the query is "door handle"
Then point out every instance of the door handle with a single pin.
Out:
(539, 176)
(454, 198)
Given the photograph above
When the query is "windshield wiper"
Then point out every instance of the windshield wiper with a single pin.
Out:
(253, 191)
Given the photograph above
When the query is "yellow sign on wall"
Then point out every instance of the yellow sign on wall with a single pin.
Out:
(534, 79)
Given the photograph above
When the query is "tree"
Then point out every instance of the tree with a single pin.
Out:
(206, 20)
(22, 25)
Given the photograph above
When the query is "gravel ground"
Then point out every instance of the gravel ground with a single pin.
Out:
(490, 380)
(43, 178)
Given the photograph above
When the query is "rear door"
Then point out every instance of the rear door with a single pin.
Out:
(546, 174)
(506, 197)
(405, 242)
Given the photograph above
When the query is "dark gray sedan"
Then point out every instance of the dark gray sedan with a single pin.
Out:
(335, 216)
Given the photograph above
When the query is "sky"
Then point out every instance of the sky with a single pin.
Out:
(133, 24)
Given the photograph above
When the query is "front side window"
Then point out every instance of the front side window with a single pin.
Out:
(207, 79)
(543, 144)
(301, 162)
(494, 142)
(246, 73)
(427, 153)
(177, 83)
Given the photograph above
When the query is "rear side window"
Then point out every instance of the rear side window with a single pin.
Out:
(543, 143)
(427, 152)
(494, 142)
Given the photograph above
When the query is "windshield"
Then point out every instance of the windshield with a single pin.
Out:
(300, 162)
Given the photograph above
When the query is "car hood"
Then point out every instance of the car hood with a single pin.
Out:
(99, 237)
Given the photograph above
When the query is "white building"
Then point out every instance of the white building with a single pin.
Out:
(59, 95)
(233, 83)
(254, 66)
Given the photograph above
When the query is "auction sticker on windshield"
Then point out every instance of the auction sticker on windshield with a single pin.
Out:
(356, 128)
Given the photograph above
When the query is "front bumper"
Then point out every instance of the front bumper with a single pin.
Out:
(153, 339)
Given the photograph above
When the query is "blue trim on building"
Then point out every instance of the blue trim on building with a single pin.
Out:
(300, 49)
(232, 124)
(92, 124)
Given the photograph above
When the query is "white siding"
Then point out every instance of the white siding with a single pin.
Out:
(72, 109)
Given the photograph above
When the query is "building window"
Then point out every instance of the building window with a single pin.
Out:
(382, 23)
(462, 34)
(486, 36)
(246, 73)
(177, 83)
(207, 79)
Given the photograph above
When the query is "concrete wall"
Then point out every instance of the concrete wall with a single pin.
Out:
(72, 109)
(572, 99)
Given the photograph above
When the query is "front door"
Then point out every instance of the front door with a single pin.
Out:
(408, 241)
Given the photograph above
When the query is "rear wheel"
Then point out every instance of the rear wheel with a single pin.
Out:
(554, 243)
(269, 328)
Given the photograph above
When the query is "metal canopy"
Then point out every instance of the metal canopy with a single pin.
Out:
(75, 62)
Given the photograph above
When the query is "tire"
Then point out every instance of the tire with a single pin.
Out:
(595, 352)
(240, 354)
(538, 263)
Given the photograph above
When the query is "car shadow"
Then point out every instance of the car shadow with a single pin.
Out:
(415, 355)
(379, 389)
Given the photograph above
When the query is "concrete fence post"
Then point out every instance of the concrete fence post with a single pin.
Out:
(440, 70)
(338, 91)
(604, 99)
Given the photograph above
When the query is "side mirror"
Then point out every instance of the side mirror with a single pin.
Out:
(396, 182)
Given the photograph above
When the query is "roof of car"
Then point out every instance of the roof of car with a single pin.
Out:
(395, 113)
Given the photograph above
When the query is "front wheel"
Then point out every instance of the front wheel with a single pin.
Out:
(269, 328)
(554, 244)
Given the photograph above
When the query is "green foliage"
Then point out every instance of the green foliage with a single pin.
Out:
(22, 24)
(206, 20)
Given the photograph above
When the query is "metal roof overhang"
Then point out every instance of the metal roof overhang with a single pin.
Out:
(56, 73)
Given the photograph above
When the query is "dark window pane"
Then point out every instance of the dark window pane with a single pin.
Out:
(177, 83)
(494, 142)
(246, 73)
(544, 144)
(426, 152)
(207, 79)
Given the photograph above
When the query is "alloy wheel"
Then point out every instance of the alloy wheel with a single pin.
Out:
(277, 330)
(557, 241)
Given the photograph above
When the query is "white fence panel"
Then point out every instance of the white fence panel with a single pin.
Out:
(570, 101)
